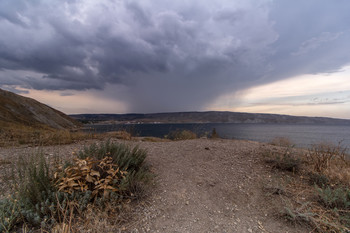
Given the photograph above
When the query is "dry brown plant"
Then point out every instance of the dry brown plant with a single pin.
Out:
(99, 176)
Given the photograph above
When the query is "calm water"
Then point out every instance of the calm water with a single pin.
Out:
(300, 135)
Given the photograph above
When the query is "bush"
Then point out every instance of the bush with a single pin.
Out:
(323, 154)
(335, 198)
(9, 214)
(132, 160)
(34, 197)
(318, 179)
(45, 196)
(100, 177)
(282, 141)
(283, 160)
(181, 135)
(214, 134)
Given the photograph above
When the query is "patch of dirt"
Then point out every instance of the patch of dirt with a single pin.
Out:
(211, 186)
(203, 185)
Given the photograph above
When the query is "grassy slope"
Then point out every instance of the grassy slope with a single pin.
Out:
(18, 112)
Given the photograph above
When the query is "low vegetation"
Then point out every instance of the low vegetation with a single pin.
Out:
(284, 159)
(181, 135)
(317, 181)
(214, 134)
(282, 141)
(54, 195)
(43, 137)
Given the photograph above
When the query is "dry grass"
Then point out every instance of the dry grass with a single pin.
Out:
(282, 141)
(283, 158)
(324, 175)
(113, 218)
(154, 139)
(122, 134)
(45, 137)
(4, 162)
(323, 156)
(181, 135)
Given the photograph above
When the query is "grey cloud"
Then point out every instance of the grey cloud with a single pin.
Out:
(14, 90)
(316, 42)
(170, 56)
(66, 94)
(313, 30)
(139, 14)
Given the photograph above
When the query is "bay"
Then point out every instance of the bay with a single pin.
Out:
(300, 135)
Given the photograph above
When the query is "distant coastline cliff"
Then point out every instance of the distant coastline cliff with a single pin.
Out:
(207, 117)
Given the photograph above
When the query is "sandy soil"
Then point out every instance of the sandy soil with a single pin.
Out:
(201, 185)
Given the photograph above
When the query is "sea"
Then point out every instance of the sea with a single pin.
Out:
(302, 135)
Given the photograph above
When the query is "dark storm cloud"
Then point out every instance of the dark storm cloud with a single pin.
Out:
(170, 56)
(313, 37)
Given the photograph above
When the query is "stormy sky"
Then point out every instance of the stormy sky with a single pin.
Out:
(116, 56)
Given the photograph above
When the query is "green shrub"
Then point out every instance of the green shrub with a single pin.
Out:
(181, 135)
(9, 214)
(35, 189)
(283, 160)
(299, 215)
(33, 200)
(318, 179)
(334, 198)
(337, 200)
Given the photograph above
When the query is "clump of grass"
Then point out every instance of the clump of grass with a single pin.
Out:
(49, 194)
(9, 214)
(282, 141)
(338, 197)
(33, 200)
(299, 215)
(336, 200)
(283, 160)
(318, 179)
(181, 135)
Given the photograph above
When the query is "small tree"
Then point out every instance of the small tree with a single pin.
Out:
(214, 134)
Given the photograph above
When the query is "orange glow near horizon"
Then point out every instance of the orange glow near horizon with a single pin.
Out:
(77, 101)
(307, 95)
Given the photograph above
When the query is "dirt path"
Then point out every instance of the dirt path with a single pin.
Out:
(209, 186)
(202, 186)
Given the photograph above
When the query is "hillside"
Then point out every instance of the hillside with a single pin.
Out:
(208, 117)
(21, 112)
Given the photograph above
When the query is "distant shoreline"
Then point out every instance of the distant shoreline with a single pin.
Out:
(158, 123)
(205, 117)
(302, 135)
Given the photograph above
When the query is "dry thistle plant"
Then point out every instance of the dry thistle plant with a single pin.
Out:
(98, 176)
